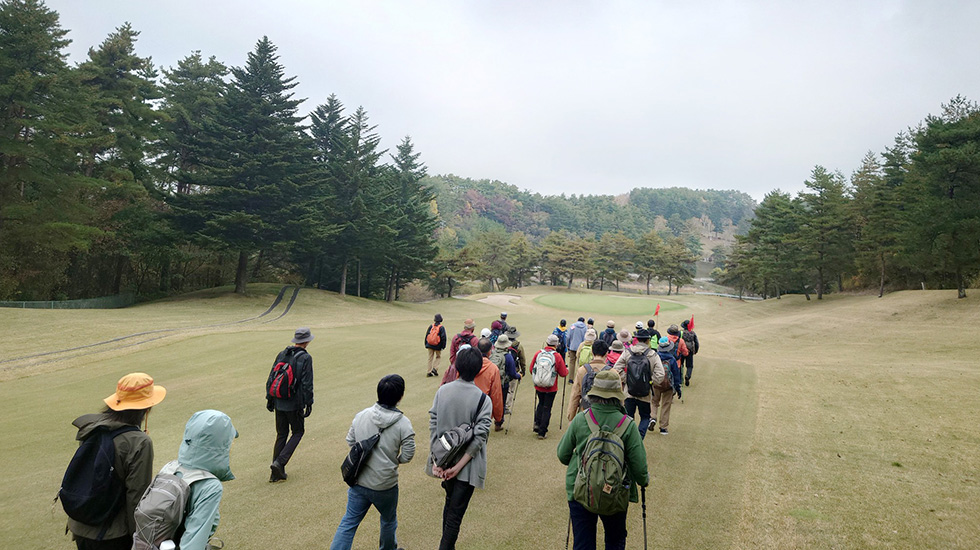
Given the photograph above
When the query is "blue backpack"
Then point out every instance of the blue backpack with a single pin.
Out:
(91, 491)
(672, 372)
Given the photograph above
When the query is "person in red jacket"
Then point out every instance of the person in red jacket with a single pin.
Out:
(465, 338)
(546, 394)
(488, 380)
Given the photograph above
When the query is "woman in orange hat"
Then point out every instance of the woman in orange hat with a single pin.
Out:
(125, 410)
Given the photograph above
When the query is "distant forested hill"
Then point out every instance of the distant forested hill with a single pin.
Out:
(468, 205)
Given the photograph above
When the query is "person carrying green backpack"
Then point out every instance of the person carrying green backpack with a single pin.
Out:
(606, 462)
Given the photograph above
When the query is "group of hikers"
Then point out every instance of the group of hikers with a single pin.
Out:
(614, 374)
(119, 503)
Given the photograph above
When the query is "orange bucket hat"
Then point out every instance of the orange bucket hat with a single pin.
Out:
(135, 391)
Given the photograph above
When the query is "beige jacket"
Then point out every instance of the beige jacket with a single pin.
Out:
(655, 363)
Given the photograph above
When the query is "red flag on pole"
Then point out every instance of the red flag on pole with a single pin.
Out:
(657, 311)
(690, 325)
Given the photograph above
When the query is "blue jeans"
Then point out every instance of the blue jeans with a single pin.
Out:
(584, 524)
(632, 405)
(359, 501)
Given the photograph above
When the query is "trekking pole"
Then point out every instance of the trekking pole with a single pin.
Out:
(561, 412)
(568, 533)
(643, 500)
(512, 404)
(534, 411)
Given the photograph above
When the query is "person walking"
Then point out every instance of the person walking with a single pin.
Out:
(503, 321)
(562, 333)
(204, 449)
(615, 350)
(435, 342)
(585, 376)
(291, 411)
(651, 328)
(496, 329)
(693, 345)
(124, 412)
(488, 380)
(609, 335)
(646, 366)
(584, 353)
(663, 394)
(546, 360)
(674, 333)
(576, 335)
(502, 357)
(377, 483)
(453, 405)
(517, 352)
(464, 338)
(606, 413)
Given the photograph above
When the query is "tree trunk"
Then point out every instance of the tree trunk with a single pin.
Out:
(449, 283)
(343, 278)
(840, 282)
(398, 283)
(648, 285)
(241, 274)
(806, 293)
(570, 281)
(258, 265)
(390, 290)
(358, 277)
(960, 287)
(602, 283)
(820, 283)
(670, 282)
(881, 284)
(117, 275)
(165, 274)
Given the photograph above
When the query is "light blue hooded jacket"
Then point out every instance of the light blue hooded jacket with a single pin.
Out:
(206, 446)
(576, 335)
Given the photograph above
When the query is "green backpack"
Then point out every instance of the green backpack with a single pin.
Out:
(601, 485)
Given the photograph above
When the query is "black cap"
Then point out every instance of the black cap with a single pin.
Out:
(651, 323)
(581, 319)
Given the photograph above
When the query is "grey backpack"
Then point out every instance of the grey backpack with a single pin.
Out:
(163, 507)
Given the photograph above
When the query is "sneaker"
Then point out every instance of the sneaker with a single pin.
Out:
(535, 429)
(687, 380)
(663, 431)
(430, 374)
(542, 436)
(498, 427)
(278, 472)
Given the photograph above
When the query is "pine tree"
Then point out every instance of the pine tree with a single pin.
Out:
(254, 162)
(649, 256)
(826, 233)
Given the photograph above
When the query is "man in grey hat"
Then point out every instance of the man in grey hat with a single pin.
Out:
(293, 402)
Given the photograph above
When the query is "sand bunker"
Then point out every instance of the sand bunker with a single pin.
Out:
(501, 300)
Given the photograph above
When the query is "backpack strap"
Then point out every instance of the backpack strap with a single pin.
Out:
(592, 422)
(479, 407)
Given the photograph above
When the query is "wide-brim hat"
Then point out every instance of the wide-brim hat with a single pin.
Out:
(503, 341)
(611, 324)
(590, 335)
(469, 324)
(607, 385)
(135, 391)
(302, 335)
(665, 345)
(552, 340)
(624, 336)
(512, 333)
(617, 346)
(673, 329)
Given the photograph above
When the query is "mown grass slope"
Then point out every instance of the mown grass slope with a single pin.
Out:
(845, 423)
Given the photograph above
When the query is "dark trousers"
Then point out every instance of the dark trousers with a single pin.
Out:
(584, 523)
(286, 421)
(458, 495)
(121, 543)
(542, 415)
(632, 405)
(689, 365)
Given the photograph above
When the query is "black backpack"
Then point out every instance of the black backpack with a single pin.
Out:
(91, 491)
(587, 381)
(282, 379)
(638, 375)
(358, 457)
(688, 337)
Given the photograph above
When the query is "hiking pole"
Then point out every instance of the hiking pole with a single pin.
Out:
(534, 412)
(561, 412)
(512, 404)
(643, 500)
(568, 533)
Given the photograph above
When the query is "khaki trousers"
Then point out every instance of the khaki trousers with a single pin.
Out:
(511, 393)
(572, 364)
(434, 356)
(662, 399)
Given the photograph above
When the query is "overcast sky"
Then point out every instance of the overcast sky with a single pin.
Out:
(594, 97)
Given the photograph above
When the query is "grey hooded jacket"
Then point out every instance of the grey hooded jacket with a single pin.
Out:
(396, 445)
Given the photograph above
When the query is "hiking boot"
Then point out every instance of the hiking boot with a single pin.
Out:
(663, 431)
(687, 380)
(498, 427)
(278, 472)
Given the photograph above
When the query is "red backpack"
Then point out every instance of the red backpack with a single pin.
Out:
(433, 337)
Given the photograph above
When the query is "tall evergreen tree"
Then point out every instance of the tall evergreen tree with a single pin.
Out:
(825, 232)
(254, 162)
(875, 209)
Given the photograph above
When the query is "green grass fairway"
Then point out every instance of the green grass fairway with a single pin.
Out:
(596, 303)
(846, 423)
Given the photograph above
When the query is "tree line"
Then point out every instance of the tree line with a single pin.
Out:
(114, 174)
(907, 218)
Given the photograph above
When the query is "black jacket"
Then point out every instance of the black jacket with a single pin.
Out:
(442, 338)
(302, 363)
